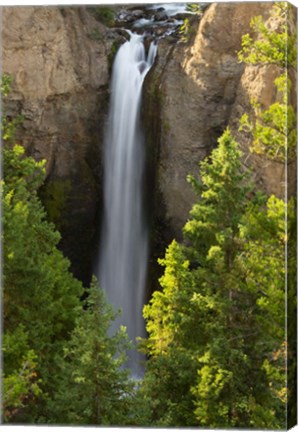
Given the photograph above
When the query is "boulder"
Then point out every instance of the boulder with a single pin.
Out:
(161, 16)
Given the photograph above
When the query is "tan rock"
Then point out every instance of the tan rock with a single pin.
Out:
(58, 72)
(198, 89)
(60, 85)
(257, 83)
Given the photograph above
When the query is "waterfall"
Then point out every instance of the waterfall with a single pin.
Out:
(123, 252)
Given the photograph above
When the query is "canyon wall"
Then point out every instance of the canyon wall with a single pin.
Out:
(60, 84)
(60, 60)
(201, 88)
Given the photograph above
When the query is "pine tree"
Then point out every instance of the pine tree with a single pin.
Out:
(272, 46)
(274, 135)
(40, 296)
(96, 388)
(273, 130)
(210, 359)
(20, 382)
(59, 363)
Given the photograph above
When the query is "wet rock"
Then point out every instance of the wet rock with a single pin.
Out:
(138, 14)
(129, 16)
(182, 16)
(161, 16)
(117, 35)
(125, 16)
(171, 20)
(163, 31)
(142, 66)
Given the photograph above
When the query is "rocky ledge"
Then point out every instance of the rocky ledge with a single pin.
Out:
(155, 20)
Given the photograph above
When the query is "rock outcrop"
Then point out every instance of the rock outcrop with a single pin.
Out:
(197, 85)
(201, 89)
(257, 83)
(60, 74)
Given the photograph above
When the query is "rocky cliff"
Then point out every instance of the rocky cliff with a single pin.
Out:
(199, 89)
(60, 59)
(257, 83)
(60, 83)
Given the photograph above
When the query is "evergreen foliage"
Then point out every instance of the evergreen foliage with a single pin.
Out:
(39, 292)
(5, 84)
(216, 333)
(96, 388)
(274, 133)
(274, 130)
(278, 46)
(217, 346)
(58, 360)
(20, 382)
(291, 305)
(217, 343)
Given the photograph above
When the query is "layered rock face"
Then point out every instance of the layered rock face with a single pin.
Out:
(202, 88)
(60, 82)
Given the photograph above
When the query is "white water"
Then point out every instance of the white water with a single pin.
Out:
(170, 8)
(123, 253)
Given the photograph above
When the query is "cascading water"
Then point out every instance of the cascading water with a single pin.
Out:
(123, 254)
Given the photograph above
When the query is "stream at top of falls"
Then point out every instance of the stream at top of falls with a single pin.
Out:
(124, 243)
